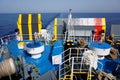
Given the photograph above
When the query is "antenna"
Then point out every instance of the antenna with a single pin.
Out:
(70, 10)
(71, 35)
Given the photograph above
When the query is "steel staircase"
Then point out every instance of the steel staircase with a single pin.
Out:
(74, 67)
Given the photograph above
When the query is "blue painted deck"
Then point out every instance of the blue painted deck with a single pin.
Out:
(44, 63)
(103, 45)
(58, 48)
(109, 65)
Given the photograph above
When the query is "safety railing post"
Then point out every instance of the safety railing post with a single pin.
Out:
(69, 55)
(59, 71)
(72, 68)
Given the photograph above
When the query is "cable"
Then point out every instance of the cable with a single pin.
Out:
(7, 68)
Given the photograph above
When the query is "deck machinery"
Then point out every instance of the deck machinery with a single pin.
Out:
(79, 27)
(73, 66)
(40, 58)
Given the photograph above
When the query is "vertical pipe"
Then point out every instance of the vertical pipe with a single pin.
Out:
(72, 68)
(55, 29)
(30, 26)
(39, 23)
(19, 24)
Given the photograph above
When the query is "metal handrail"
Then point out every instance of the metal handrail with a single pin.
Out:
(60, 36)
(72, 69)
(65, 67)
(61, 69)
(70, 53)
(71, 61)
(65, 73)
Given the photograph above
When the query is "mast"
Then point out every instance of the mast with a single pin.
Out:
(71, 35)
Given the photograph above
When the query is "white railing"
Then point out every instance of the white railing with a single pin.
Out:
(70, 54)
(73, 66)
(63, 67)
(6, 38)
(67, 66)
(116, 37)
(91, 38)
(75, 63)
(59, 37)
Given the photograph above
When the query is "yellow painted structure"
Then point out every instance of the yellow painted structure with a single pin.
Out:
(104, 24)
(21, 43)
(28, 25)
(39, 23)
(55, 29)
(103, 27)
(70, 77)
(19, 24)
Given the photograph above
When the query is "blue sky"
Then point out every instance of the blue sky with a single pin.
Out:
(35, 6)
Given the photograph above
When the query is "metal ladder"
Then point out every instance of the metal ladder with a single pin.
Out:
(67, 72)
